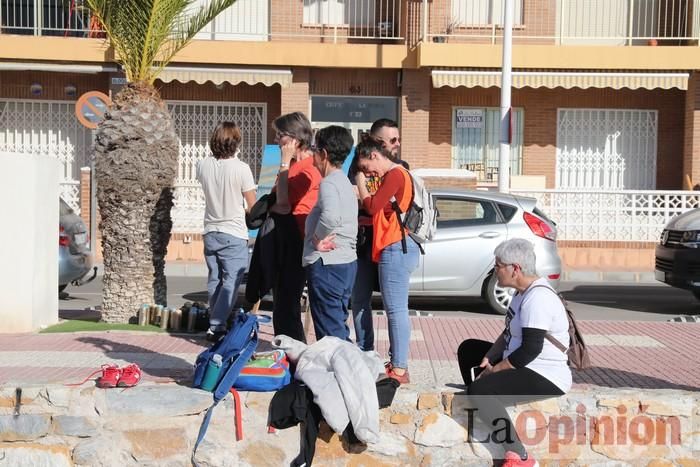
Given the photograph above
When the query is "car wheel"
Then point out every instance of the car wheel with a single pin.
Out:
(61, 288)
(496, 296)
(696, 293)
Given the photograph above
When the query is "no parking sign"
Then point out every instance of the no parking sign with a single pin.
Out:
(90, 108)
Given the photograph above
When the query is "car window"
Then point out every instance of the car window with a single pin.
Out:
(508, 211)
(64, 208)
(461, 212)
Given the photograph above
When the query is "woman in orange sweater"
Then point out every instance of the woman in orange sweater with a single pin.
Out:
(395, 262)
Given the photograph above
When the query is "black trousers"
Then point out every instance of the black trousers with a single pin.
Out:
(289, 280)
(492, 393)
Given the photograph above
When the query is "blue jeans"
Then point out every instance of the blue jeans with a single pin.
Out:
(330, 286)
(227, 258)
(362, 299)
(395, 268)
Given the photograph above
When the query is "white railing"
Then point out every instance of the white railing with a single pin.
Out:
(252, 20)
(612, 216)
(584, 22)
(590, 170)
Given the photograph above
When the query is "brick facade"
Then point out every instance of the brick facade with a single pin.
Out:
(415, 118)
(691, 148)
(296, 97)
(540, 123)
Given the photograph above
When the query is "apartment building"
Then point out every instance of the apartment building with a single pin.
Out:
(606, 93)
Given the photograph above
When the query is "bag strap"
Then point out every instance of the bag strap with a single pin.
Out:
(564, 349)
(236, 366)
(397, 210)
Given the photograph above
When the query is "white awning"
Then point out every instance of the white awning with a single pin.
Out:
(561, 79)
(60, 67)
(220, 75)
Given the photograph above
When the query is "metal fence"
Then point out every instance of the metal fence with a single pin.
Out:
(570, 22)
(69, 18)
(254, 20)
(612, 216)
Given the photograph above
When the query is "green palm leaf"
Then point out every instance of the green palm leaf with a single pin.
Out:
(147, 34)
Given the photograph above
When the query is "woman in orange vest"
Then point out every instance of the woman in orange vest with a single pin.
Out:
(395, 263)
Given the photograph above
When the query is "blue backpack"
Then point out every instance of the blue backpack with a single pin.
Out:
(236, 348)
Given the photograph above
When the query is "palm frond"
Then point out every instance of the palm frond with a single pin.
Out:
(187, 26)
(146, 34)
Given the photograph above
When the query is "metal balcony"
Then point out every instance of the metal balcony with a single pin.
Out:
(565, 22)
(252, 20)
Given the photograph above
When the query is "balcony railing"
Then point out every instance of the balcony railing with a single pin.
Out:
(254, 20)
(47, 18)
(565, 22)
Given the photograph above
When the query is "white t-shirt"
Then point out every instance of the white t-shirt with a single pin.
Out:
(224, 181)
(540, 309)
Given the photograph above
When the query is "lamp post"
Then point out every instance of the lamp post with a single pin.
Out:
(506, 75)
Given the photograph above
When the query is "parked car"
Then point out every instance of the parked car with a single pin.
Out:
(74, 255)
(459, 260)
(678, 253)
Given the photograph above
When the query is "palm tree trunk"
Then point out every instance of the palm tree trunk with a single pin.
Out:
(136, 154)
(161, 226)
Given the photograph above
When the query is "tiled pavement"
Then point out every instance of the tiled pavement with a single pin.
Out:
(652, 355)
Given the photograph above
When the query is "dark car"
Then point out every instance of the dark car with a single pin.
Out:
(678, 253)
(74, 255)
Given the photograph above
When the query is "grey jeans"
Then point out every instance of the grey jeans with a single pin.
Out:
(227, 259)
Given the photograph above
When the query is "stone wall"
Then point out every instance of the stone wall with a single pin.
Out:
(156, 424)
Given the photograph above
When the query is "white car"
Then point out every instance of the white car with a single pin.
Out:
(458, 262)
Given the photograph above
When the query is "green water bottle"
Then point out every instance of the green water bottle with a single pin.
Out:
(211, 376)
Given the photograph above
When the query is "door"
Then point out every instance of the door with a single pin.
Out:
(461, 254)
(606, 149)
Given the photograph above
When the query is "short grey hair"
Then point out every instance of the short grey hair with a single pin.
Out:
(517, 251)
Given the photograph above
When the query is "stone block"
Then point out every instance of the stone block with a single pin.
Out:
(147, 445)
(447, 402)
(439, 430)
(428, 401)
(390, 445)
(103, 451)
(400, 418)
(71, 425)
(33, 455)
(660, 463)
(157, 401)
(25, 427)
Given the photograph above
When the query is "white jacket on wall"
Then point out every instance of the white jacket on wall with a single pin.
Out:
(335, 371)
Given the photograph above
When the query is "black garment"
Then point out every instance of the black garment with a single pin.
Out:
(530, 347)
(262, 270)
(492, 393)
(257, 213)
(294, 404)
(386, 389)
(289, 278)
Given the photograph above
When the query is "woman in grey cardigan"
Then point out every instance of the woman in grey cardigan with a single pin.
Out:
(329, 258)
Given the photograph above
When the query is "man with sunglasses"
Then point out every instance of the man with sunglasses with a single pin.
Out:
(366, 279)
(387, 131)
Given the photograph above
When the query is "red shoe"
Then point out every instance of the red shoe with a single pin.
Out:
(110, 376)
(403, 379)
(513, 460)
(131, 375)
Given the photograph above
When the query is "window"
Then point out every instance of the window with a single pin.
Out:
(478, 12)
(350, 12)
(606, 149)
(460, 212)
(475, 141)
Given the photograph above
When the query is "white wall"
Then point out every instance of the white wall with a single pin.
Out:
(28, 242)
